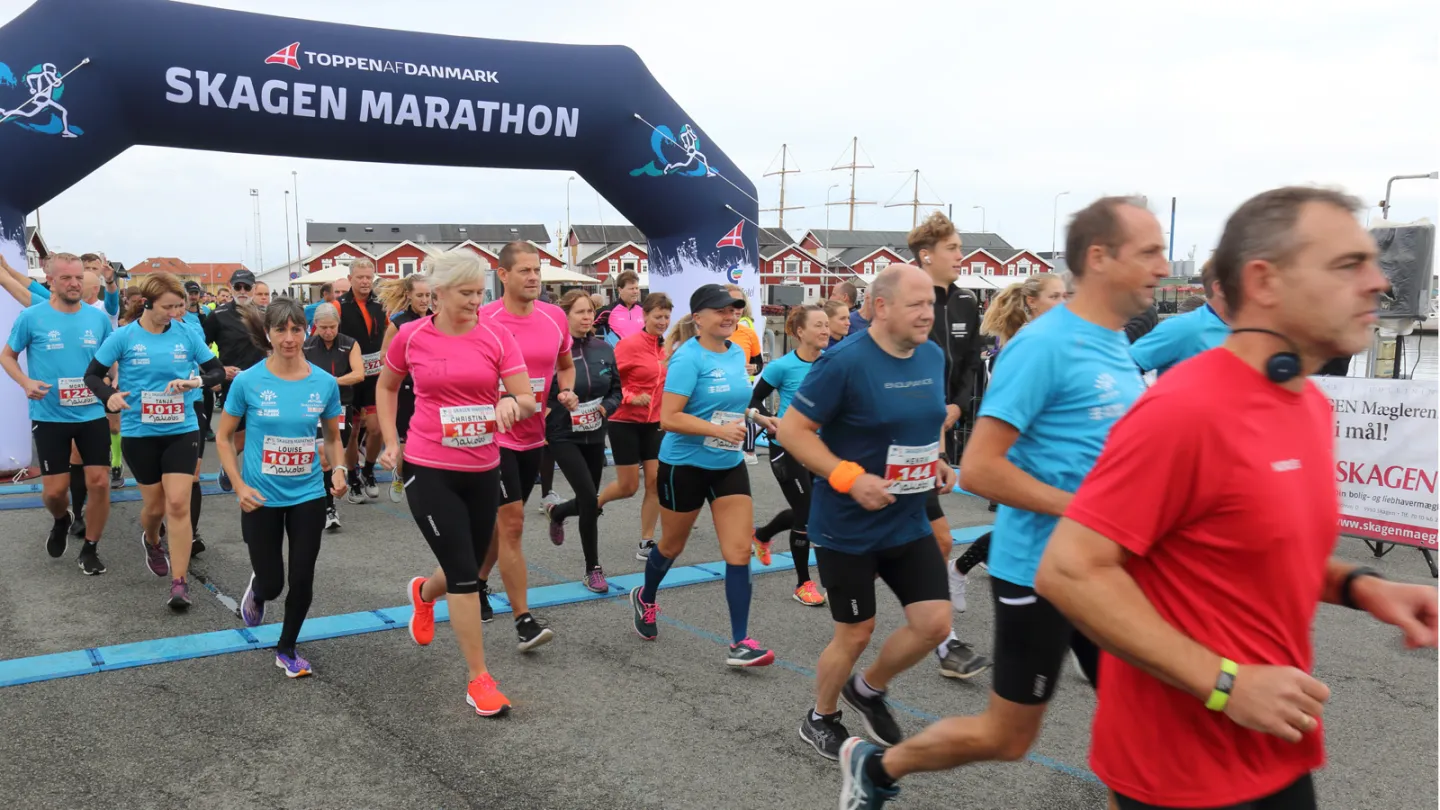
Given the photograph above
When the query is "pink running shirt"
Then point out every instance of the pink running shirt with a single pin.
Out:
(457, 383)
(543, 336)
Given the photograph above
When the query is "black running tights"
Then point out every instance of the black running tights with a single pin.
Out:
(265, 531)
(795, 483)
(582, 465)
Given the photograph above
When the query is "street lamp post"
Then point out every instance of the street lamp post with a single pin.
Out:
(1385, 206)
(295, 180)
(1054, 223)
(982, 216)
(569, 259)
(287, 232)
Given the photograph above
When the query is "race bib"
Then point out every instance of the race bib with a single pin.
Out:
(587, 417)
(160, 408)
(537, 387)
(721, 418)
(288, 457)
(75, 393)
(372, 363)
(909, 470)
(467, 425)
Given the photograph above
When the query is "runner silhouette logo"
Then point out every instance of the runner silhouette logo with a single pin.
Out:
(44, 85)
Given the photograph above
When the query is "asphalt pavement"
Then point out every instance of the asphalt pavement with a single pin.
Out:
(601, 718)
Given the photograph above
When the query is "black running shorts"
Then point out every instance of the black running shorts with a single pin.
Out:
(1300, 795)
(633, 443)
(1031, 639)
(518, 471)
(151, 457)
(684, 488)
(455, 512)
(933, 510)
(53, 439)
(914, 572)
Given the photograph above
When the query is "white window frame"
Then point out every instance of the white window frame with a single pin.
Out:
(545, 263)
(792, 271)
(977, 268)
(614, 266)
(868, 265)
(645, 265)
(881, 263)
(327, 263)
(1023, 266)
(408, 266)
(629, 264)
(389, 268)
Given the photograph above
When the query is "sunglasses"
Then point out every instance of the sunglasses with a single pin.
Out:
(243, 287)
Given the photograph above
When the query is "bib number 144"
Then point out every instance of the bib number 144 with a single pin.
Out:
(909, 470)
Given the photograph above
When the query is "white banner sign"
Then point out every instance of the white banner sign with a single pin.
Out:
(1386, 458)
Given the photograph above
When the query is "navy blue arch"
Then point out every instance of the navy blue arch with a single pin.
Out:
(83, 80)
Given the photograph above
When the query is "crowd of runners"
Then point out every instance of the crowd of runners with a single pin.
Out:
(1175, 543)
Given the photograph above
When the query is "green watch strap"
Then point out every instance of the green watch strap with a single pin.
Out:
(1220, 696)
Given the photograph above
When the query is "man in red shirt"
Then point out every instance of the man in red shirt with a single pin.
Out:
(1197, 558)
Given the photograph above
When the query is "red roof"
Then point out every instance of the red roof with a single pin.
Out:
(216, 272)
(161, 264)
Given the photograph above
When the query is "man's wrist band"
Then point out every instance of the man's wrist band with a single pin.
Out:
(842, 478)
(1220, 695)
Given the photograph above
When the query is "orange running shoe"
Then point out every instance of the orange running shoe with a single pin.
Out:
(422, 614)
(810, 595)
(484, 695)
(762, 550)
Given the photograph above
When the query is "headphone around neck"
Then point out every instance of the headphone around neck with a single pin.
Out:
(1282, 367)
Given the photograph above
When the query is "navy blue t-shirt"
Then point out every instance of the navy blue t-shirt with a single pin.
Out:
(885, 414)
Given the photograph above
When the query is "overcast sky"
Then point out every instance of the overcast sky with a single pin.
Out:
(998, 104)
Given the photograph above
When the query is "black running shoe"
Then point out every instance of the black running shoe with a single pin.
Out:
(89, 560)
(874, 715)
(962, 662)
(117, 478)
(197, 544)
(827, 734)
(77, 528)
(486, 612)
(532, 634)
(59, 538)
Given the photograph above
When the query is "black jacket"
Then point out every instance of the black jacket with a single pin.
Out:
(226, 329)
(334, 360)
(957, 331)
(595, 378)
(352, 322)
(1140, 325)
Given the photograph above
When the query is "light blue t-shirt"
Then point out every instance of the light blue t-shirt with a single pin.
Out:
(1178, 339)
(716, 383)
(58, 347)
(1062, 381)
(148, 362)
(885, 414)
(282, 455)
(785, 376)
(310, 313)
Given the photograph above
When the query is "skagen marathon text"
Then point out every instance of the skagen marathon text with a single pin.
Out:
(278, 97)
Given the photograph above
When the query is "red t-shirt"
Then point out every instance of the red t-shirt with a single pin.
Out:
(1221, 485)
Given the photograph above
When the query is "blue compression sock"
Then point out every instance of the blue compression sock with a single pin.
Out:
(657, 566)
(737, 597)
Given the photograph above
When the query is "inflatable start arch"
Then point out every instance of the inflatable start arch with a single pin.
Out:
(83, 80)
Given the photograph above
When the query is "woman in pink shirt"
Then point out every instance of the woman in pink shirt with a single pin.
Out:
(625, 317)
(457, 366)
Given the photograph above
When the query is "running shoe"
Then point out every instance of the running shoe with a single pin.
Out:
(197, 543)
(531, 633)
(484, 697)
(155, 557)
(179, 594)
(748, 653)
(809, 595)
(595, 581)
(117, 478)
(397, 490)
(557, 527)
(252, 610)
(293, 664)
(874, 714)
(422, 614)
(225, 485)
(551, 498)
(77, 526)
(857, 790)
(827, 734)
(332, 520)
(356, 493)
(372, 488)
(645, 615)
(752, 459)
(89, 560)
(957, 586)
(486, 612)
(643, 552)
(59, 538)
(961, 661)
(762, 550)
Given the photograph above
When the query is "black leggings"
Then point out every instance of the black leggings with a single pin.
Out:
(795, 483)
(456, 513)
(582, 465)
(265, 531)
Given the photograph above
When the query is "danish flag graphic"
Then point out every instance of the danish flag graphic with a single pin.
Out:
(732, 239)
(285, 56)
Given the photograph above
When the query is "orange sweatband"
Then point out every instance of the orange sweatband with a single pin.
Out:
(844, 475)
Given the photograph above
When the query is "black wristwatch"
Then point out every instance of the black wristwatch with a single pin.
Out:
(1349, 581)
(506, 395)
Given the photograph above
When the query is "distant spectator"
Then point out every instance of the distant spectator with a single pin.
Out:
(1191, 304)
(625, 317)
(846, 293)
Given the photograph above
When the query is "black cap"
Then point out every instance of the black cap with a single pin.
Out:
(193, 287)
(242, 277)
(713, 296)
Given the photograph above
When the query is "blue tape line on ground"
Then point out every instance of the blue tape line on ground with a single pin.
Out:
(33, 486)
(16, 671)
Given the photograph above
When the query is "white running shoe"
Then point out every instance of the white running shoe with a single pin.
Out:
(551, 499)
(957, 587)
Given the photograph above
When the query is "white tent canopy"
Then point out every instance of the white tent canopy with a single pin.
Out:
(325, 276)
(564, 275)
